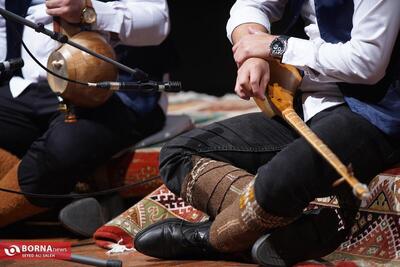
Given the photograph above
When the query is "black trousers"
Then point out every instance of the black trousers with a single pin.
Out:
(56, 154)
(289, 172)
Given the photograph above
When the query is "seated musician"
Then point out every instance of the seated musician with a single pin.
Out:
(254, 175)
(41, 153)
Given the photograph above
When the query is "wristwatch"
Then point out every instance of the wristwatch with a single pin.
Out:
(89, 15)
(278, 46)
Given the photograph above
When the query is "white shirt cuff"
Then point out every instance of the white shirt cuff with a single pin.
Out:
(299, 52)
(302, 54)
(107, 19)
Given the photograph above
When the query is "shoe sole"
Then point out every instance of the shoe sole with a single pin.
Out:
(82, 217)
(277, 249)
(264, 254)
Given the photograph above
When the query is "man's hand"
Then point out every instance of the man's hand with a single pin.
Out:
(69, 10)
(254, 44)
(252, 78)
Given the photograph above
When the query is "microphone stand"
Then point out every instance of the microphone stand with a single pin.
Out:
(39, 27)
(137, 73)
(94, 261)
(142, 78)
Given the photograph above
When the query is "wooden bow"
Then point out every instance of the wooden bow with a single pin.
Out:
(284, 81)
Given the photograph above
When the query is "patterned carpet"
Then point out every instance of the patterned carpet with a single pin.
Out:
(374, 240)
(160, 204)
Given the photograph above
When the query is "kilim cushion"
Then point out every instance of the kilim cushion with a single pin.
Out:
(160, 204)
(135, 167)
(375, 235)
(374, 238)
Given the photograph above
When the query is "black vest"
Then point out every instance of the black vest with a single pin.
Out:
(378, 103)
(14, 31)
(141, 103)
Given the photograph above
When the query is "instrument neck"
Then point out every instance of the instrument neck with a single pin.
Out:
(346, 173)
(62, 26)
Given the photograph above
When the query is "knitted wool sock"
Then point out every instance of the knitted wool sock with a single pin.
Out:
(212, 185)
(238, 226)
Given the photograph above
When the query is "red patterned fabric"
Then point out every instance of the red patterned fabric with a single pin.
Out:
(375, 237)
(132, 167)
(158, 205)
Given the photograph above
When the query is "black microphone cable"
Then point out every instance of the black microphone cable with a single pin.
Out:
(69, 196)
(48, 70)
(85, 195)
(39, 63)
(143, 86)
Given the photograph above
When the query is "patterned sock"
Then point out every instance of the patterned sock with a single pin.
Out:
(213, 185)
(238, 226)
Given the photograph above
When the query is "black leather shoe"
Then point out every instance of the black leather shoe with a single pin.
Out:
(312, 236)
(84, 216)
(175, 239)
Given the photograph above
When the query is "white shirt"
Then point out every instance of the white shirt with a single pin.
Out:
(138, 22)
(363, 59)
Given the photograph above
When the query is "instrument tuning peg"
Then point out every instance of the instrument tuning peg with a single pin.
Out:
(70, 116)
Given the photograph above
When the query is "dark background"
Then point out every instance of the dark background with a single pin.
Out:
(204, 62)
(197, 51)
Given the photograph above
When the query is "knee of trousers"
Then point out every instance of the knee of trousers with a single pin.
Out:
(44, 178)
(175, 164)
(282, 194)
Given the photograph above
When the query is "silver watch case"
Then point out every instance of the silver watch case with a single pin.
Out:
(278, 46)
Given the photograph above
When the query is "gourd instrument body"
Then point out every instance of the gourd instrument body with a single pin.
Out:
(78, 65)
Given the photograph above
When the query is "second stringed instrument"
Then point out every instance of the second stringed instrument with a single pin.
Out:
(75, 64)
(284, 81)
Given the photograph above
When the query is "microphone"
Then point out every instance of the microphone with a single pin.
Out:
(149, 86)
(11, 65)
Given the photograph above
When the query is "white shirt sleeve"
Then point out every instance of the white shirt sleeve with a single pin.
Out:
(137, 22)
(255, 11)
(364, 58)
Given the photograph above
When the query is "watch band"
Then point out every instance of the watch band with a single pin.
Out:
(88, 10)
(278, 46)
(88, 3)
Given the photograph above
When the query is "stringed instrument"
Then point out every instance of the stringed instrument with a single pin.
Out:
(78, 65)
(284, 81)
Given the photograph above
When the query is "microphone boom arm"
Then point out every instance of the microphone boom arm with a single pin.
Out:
(39, 27)
(146, 87)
